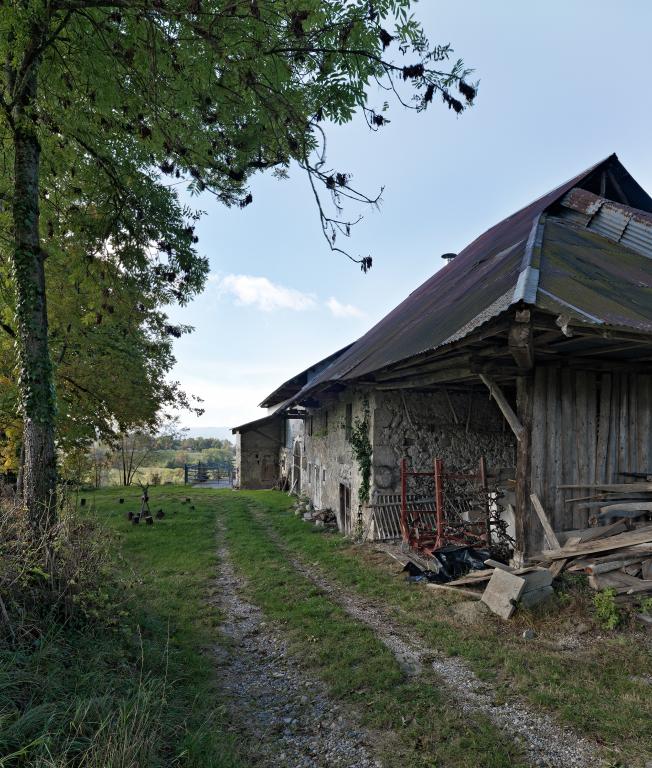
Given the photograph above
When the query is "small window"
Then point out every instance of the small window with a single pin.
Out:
(310, 424)
(323, 475)
(348, 420)
(325, 422)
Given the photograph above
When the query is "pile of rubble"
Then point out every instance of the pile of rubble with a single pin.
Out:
(322, 518)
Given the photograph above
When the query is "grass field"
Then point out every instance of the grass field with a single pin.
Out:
(145, 475)
(136, 684)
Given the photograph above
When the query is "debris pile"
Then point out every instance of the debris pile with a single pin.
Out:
(616, 555)
(322, 518)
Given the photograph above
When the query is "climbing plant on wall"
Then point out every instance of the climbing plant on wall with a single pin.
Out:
(362, 450)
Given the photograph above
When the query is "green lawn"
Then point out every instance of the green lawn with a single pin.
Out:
(136, 684)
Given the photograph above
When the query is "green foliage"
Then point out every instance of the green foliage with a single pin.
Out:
(646, 605)
(606, 608)
(109, 108)
(362, 450)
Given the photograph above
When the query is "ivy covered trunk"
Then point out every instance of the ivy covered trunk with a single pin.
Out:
(28, 265)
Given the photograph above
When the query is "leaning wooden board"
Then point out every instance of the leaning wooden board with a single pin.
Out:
(639, 536)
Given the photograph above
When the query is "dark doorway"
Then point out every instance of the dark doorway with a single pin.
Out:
(345, 508)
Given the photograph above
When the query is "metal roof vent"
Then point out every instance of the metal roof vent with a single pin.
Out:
(448, 256)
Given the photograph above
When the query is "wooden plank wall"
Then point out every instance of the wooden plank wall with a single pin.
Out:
(586, 427)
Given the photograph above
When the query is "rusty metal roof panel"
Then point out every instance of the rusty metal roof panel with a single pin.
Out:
(500, 268)
(638, 237)
(476, 280)
(619, 222)
(594, 278)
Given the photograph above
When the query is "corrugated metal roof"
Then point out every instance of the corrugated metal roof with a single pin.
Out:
(299, 381)
(523, 258)
(596, 277)
(618, 222)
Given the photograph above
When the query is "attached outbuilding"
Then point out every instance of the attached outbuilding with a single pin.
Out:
(530, 353)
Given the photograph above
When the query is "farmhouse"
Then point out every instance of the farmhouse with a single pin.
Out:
(525, 362)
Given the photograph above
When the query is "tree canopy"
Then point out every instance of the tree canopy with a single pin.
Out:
(106, 107)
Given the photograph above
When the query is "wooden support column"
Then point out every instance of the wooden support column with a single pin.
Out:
(524, 400)
(521, 340)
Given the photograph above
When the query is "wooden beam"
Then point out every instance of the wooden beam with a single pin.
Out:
(551, 536)
(427, 366)
(414, 382)
(619, 541)
(520, 341)
(506, 409)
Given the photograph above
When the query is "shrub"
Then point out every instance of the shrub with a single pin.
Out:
(606, 609)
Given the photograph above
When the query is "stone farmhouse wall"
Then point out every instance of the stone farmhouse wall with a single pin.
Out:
(458, 427)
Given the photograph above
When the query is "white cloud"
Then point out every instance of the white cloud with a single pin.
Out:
(343, 310)
(263, 294)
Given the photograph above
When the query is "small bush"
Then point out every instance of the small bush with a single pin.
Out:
(606, 609)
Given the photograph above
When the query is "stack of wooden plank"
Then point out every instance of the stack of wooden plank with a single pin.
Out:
(617, 555)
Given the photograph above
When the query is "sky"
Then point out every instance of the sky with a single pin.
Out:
(562, 85)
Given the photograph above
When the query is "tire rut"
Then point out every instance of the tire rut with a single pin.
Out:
(547, 743)
(285, 715)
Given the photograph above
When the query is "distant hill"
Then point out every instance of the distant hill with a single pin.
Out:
(223, 433)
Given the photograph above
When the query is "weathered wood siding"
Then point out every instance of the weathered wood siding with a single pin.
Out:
(586, 428)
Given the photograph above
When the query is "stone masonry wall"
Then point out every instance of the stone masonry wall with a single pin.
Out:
(458, 427)
(327, 457)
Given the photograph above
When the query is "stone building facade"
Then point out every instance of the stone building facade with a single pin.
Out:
(313, 456)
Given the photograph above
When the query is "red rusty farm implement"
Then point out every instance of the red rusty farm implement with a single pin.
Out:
(441, 508)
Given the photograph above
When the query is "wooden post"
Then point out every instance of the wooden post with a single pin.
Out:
(404, 522)
(524, 392)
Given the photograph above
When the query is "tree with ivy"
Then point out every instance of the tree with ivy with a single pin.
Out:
(107, 105)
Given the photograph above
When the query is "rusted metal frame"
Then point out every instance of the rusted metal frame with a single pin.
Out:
(412, 529)
(439, 500)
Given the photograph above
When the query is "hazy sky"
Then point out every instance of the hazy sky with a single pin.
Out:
(564, 83)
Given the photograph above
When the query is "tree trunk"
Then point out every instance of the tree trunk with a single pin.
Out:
(28, 264)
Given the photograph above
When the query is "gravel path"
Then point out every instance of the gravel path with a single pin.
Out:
(286, 717)
(547, 743)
